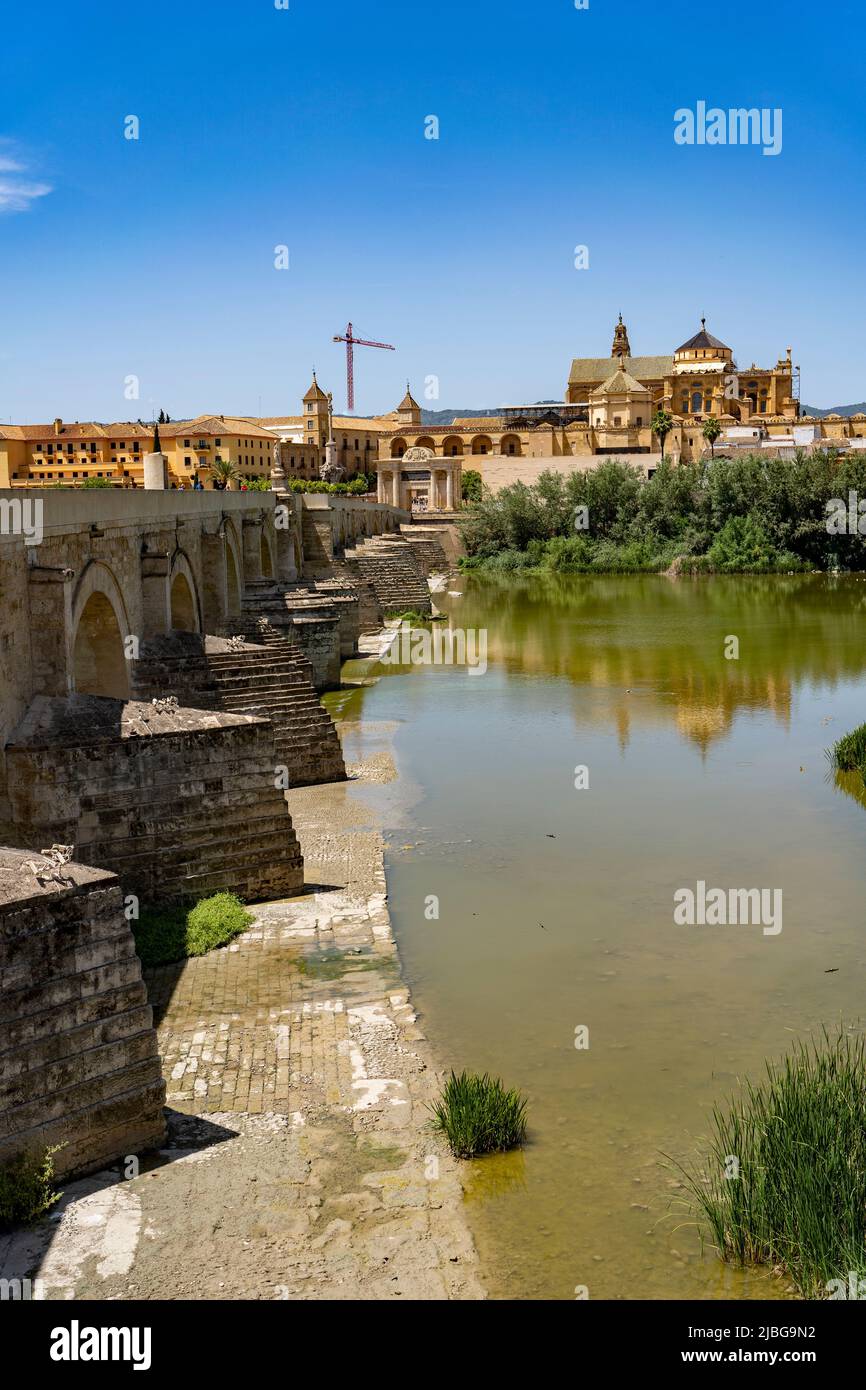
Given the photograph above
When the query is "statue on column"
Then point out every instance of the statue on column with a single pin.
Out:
(278, 473)
(330, 470)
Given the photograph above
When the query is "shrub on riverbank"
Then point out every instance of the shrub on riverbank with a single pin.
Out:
(849, 753)
(174, 933)
(27, 1188)
(751, 514)
(784, 1181)
(478, 1116)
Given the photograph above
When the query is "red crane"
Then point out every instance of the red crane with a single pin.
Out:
(351, 342)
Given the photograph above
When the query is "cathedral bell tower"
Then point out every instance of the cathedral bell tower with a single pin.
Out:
(621, 346)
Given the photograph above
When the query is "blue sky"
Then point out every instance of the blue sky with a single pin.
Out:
(305, 127)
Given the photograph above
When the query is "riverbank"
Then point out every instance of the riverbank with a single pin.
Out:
(300, 1162)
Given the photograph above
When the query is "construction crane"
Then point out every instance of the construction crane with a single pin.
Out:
(352, 342)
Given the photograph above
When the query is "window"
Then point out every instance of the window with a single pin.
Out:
(697, 399)
(49, 448)
(218, 442)
(186, 443)
(617, 419)
(187, 460)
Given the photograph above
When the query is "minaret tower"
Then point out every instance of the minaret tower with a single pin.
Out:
(621, 346)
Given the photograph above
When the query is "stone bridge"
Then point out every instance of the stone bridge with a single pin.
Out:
(161, 657)
(229, 604)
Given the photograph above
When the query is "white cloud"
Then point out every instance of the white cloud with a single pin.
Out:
(18, 193)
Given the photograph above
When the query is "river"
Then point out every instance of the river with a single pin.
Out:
(556, 901)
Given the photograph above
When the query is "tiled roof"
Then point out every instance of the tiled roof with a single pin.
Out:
(315, 392)
(585, 370)
(215, 425)
(618, 384)
(122, 429)
(476, 423)
(703, 339)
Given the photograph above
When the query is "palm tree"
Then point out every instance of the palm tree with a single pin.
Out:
(222, 471)
(662, 423)
(712, 430)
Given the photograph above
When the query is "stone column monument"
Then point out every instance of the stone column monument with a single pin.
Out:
(278, 473)
(156, 466)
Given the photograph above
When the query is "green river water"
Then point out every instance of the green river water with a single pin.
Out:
(556, 904)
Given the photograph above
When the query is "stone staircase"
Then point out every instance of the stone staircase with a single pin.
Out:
(270, 676)
(428, 549)
(395, 571)
(174, 664)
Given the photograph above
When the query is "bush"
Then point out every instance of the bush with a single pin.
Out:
(800, 1195)
(478, 1116)
(178, 932)
(27, 1188)
(745, 514)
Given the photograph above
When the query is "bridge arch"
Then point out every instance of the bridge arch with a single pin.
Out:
(100, 628)
(184, 607)
(234, 570)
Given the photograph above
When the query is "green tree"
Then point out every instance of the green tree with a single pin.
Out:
(471, 485)
(222, 471)
(662, 423)
(711, 431)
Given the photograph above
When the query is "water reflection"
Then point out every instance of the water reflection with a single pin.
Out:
(557, 904)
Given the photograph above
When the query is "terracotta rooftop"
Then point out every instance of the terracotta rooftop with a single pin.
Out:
(587, 369)
(89, 429)
(214, 424)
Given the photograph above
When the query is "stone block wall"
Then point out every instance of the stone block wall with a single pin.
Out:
(179, 804)
(78, 1052)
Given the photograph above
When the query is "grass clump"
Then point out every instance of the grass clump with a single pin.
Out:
(849, 753)
(798, 1143)
(478, 1116)
(27, 1188)
(176, 932)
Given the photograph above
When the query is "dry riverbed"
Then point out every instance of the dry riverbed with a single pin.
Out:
(300, 1161)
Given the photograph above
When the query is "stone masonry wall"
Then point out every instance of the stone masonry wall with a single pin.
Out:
(180, 804)
(78, 1053)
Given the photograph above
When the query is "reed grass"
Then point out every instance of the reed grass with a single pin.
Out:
(478, 1115)
(849, 753)
(798, 1141)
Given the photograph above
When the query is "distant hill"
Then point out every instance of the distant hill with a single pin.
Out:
(447, 417)
(858, 409)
